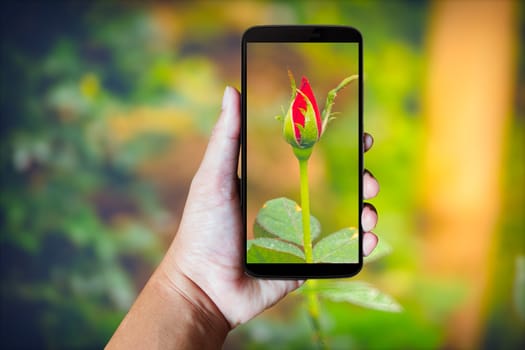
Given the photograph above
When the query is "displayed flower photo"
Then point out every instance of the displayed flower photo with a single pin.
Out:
(302, 193)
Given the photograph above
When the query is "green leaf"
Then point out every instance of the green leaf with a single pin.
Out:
(382, 249)
(360, 293)
(282, 218)
(339, 247)
(271, 250)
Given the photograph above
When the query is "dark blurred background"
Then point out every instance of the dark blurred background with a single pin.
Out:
(106, 108)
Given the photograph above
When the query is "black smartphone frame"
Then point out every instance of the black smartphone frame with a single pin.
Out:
(300, 34)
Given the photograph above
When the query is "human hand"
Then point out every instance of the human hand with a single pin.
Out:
(200, 291)
(208, 247)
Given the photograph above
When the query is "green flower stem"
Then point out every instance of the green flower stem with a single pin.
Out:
(313, 311)
(305, 205)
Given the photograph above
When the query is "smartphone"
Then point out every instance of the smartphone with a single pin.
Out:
(301, 161)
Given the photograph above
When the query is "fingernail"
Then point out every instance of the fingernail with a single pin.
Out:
(368, 141)
(369, 243)
(226, 98)
(369, 220)
(370, 185)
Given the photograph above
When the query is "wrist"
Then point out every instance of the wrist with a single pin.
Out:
(177, 289)
(171, 312)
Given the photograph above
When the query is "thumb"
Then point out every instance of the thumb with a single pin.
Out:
(222, 154)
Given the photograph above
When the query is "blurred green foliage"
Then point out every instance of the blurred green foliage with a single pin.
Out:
(67, 266)
(82, 227)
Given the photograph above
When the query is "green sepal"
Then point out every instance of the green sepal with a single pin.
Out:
(310, 131)
(288, 129)
(292, 84)
(330, 100)
(302, 153)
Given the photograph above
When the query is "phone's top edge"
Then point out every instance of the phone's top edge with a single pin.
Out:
(298, 26)
(284, 33)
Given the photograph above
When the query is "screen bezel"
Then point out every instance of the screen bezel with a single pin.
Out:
(300, 34)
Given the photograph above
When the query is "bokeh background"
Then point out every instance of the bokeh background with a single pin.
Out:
(106, 108)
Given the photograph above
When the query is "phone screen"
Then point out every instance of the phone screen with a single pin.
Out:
(302, 154)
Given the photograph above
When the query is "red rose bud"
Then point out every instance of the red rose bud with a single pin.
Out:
(303, 124)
